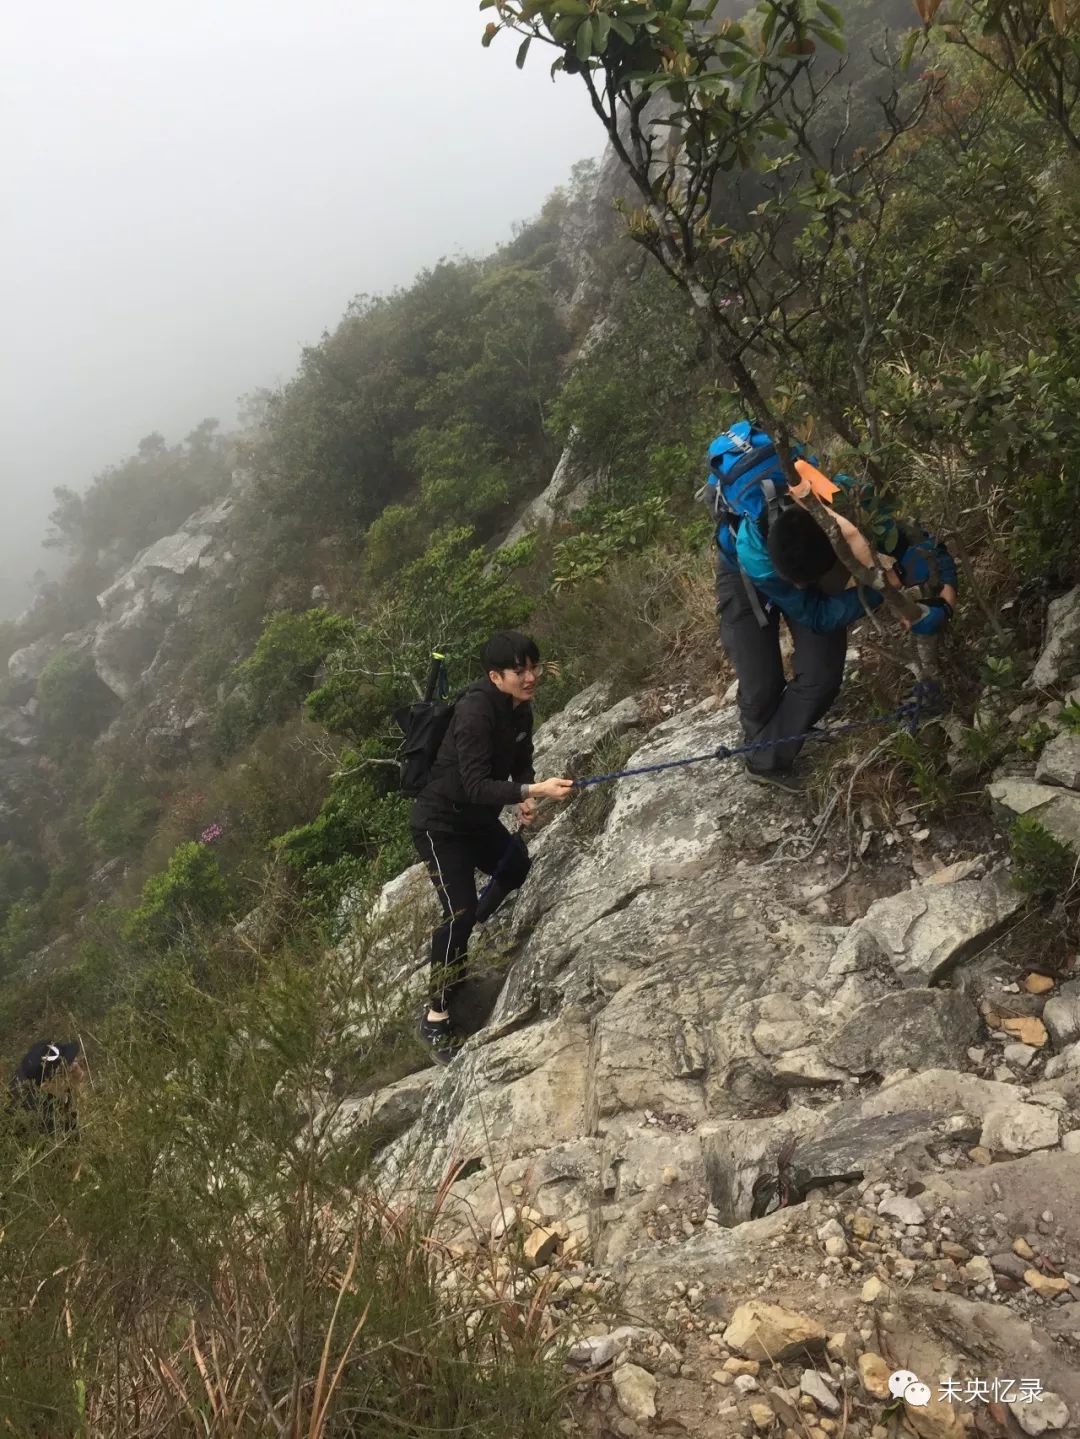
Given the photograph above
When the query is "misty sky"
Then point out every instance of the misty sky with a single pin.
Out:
(195, 188)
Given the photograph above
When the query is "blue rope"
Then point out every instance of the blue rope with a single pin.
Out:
(926, 699)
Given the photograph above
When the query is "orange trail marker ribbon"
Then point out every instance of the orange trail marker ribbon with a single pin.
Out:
(813, 483)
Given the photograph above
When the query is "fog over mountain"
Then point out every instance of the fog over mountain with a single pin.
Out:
(196, 190)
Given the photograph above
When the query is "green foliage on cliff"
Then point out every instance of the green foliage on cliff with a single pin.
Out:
(190, 892)
(211, 1251)
(130, 505)
(435, 396)
(73, 704)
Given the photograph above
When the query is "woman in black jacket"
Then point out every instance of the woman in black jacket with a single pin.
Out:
(483, 764)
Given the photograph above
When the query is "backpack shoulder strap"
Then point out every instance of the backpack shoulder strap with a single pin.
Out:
(755, 599)
(772, 502)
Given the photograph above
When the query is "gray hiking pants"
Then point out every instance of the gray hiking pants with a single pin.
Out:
(770, 706)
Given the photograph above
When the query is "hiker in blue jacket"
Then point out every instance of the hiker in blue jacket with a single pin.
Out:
(775, 560)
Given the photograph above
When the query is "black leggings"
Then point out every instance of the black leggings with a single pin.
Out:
(452, 861)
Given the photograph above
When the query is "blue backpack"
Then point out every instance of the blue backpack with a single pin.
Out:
(746, 478)
(746, 482)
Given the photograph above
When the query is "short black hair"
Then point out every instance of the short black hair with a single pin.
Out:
(799, 548)
(508, 650)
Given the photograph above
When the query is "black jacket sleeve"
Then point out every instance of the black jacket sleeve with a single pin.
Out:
(523, 771)
(474, 737)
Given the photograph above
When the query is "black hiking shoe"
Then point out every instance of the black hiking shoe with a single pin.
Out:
(789, 781)
(439, 1037)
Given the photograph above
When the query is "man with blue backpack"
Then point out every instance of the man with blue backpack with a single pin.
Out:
(776, 560)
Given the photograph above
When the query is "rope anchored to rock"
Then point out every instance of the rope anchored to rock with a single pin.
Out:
(926, 700)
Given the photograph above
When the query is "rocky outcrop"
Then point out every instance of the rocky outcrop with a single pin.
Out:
(26, 665)
(668, 987)
(1055, 809)
(684, 1041)
(1059, 762)
(565, 743)
(570, 487)
(922, 934)
(1059, 661)
(17, 729)
(158, 588)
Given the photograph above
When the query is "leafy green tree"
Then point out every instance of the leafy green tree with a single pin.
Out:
(74, 704)
(1033, 45)
(331, 446)
(190, 891)
(502, 369)
(471, 348)
(642, 384)
(129, 506)
(451, 598)
(684, 100)
(282, 667)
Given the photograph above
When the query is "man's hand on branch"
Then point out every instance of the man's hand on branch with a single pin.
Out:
(938, 614)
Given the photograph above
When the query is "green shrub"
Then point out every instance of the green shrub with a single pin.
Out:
(986, 742)
(648, 619)
(925, 758)
(189, 891)
(120, 816)
(450, 599)
(212, 1252)
(22, 876)
(74, 705)
(24, 930)
(358, 841)
(1042, 865)
(606, 533)
(1034, 740)
(396, 537)
(281, 669)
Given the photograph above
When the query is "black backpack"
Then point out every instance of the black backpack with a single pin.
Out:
(423, 725)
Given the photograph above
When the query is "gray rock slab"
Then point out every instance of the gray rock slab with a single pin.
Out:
(990, 1337)
(1061, 1014)
(1019, 1128)
(918, 1028)
(920, 934)
(1059, 659)
(1059, 762)
(1057, 810)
